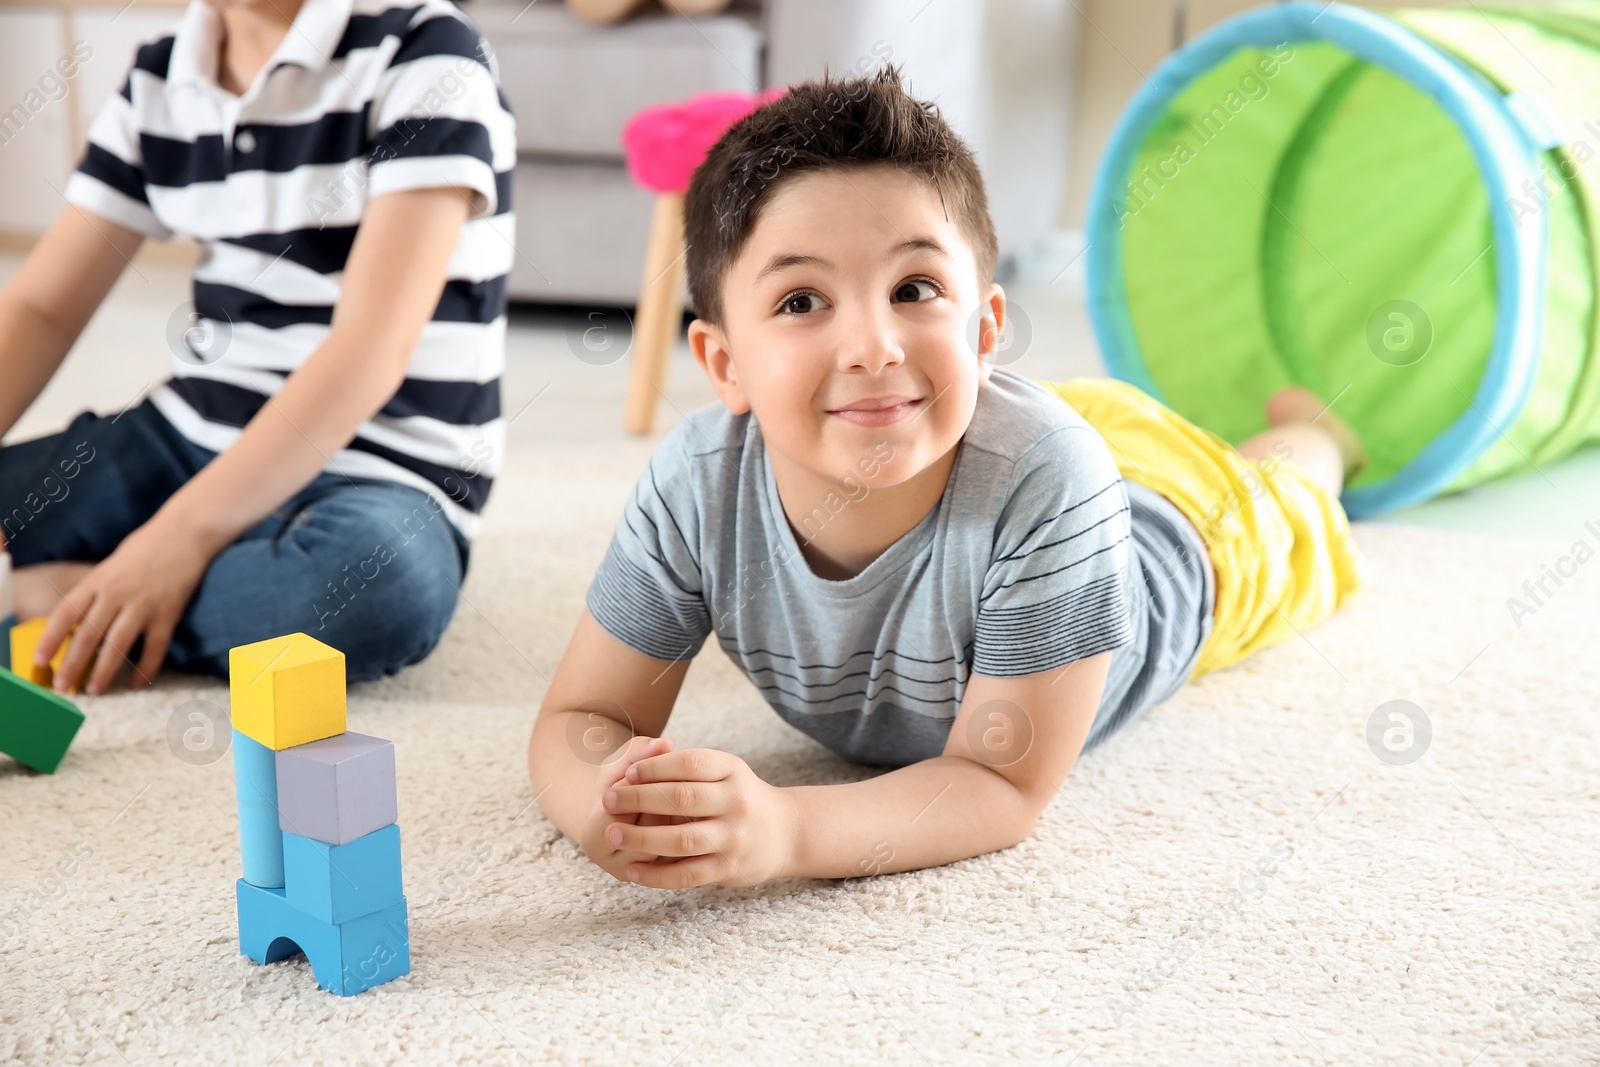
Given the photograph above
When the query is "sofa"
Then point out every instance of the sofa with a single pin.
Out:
(1000, 70)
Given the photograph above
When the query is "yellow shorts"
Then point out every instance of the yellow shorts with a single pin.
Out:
(1280, 546)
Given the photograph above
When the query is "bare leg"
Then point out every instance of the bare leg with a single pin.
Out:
(36, 590)
(1307, 433)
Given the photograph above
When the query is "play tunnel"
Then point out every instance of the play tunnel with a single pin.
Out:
(1392, 210)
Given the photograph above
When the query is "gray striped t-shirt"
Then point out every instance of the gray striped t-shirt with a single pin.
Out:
(1039, 553)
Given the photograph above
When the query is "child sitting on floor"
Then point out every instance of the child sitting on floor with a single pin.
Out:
(919, 560)
(319, 457)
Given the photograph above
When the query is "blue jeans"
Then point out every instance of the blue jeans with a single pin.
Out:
(370, 567)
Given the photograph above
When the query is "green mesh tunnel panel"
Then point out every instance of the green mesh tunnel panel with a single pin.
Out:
(1391, 211)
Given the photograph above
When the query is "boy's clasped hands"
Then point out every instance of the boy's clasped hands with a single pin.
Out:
(675, 819)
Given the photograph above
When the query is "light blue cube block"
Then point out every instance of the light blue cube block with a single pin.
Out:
(337, 883)
(255, 776)
(346, 958)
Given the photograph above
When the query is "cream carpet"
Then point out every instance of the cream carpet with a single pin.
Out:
(1236, 877)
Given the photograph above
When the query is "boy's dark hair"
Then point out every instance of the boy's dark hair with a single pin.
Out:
(832, 124)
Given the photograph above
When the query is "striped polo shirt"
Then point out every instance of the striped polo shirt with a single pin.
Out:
(362, 98)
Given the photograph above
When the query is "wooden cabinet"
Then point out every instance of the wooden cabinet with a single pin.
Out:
(35, 118)
(58, 64)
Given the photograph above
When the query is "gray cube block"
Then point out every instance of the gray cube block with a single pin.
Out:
(337, 789)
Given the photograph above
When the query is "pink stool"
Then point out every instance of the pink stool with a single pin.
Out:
(664, 145)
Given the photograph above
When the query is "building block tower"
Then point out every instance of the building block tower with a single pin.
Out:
(317, 810)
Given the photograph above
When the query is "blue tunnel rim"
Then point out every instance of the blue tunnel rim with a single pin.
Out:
(1505, 156)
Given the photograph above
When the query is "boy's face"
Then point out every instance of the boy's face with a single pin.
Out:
(845, 327)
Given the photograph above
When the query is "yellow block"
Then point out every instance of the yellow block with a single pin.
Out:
(24, 639)
(287, 691)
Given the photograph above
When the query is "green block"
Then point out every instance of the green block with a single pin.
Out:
(36, 724)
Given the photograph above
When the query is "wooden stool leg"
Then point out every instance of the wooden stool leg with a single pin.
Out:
(660, 313)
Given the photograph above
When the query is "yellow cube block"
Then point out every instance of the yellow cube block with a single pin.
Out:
(287, 691)
(24, 639)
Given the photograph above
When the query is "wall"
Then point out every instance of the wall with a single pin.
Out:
(1120, 43)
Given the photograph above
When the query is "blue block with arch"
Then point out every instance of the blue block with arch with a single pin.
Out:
(345, 958)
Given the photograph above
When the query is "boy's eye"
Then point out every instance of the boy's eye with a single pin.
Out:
(801, 303)
(916, 290)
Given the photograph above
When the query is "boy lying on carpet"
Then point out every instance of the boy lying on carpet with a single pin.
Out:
(319, 457)
(918, 559)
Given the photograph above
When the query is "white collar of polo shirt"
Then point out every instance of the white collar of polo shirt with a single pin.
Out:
(197, 44)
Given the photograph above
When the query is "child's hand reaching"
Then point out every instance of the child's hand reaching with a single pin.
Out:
(141, 589)
(719, 822)
(603, 854)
